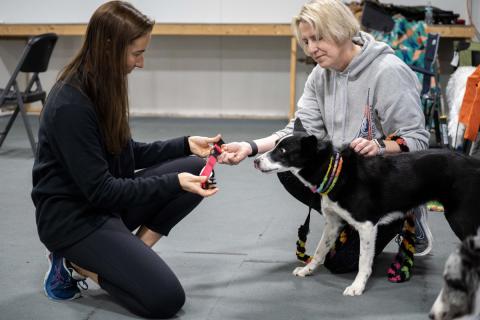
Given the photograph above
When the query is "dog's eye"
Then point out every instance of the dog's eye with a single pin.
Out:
(282, 150)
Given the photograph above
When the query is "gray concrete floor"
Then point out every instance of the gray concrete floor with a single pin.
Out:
(234, 254)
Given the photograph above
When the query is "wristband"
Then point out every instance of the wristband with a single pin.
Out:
(400, 141)
(380, 142)
(254, 147)
(186, 145)
(381, 146)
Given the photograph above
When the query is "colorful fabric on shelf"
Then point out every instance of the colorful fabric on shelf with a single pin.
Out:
(408, 40)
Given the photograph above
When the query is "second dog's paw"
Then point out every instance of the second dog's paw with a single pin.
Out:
(353, 290)
(302, 271)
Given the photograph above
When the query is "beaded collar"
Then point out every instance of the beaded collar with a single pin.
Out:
(331, 176)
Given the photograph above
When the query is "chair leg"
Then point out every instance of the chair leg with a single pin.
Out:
(4, 133)
(436, 122)
(33, 144)
(467, 147)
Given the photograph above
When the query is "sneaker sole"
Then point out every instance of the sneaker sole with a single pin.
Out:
(76, 296)
(429, 236)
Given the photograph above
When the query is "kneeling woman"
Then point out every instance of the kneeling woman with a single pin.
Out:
(93, 185)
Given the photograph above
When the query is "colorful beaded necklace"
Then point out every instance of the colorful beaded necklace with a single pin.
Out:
(330, 178)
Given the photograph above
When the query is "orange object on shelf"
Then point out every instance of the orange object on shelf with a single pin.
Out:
(470, 109)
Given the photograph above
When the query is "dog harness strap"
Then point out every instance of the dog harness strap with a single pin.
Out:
(325, 178)
(330, 177)
(337, 173)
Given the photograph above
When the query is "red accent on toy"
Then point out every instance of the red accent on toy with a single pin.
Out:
(211, 161)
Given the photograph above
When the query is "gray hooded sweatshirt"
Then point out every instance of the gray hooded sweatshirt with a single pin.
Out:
(375, 96)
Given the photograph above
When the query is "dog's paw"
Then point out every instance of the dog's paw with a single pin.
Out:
(354, 290)
(302, 271)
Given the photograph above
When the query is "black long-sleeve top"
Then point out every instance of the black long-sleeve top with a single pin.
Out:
(77, 183)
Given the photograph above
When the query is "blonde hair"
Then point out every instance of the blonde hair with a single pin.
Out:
(330, 19)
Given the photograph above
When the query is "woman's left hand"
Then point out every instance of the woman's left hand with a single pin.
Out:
(201, 146)
(367, 148)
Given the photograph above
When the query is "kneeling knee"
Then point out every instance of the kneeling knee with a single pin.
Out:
(165, 305)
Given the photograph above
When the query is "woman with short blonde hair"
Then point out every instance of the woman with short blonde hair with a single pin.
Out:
(330, 19)
(358, 94)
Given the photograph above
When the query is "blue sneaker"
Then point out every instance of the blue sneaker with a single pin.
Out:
(424, 237)
(59, 282)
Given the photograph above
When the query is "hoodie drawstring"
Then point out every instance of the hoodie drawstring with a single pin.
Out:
(345, 102)
(334, 102)
(344, 124)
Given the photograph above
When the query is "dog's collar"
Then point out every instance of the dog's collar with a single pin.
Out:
(331, 177)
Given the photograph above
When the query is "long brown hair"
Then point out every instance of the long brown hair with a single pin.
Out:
(100, 67)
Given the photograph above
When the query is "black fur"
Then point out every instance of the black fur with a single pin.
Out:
(371, 187)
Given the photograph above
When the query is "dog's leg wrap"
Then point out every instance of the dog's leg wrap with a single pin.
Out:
(330, 233)
(303, 231)
(401, 268)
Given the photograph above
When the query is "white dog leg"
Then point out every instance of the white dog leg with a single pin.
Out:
(368, 233)
(329, 235)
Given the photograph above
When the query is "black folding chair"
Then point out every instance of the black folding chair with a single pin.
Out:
(34, 59)
(431, 97)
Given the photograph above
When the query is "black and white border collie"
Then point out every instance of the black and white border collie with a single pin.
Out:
(460, 295)
(371, 191)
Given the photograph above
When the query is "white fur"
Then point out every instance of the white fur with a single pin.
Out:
(334, 216)
(455, 92)
(454, 268)
(439, 308)
(389, 218)
(264, 164)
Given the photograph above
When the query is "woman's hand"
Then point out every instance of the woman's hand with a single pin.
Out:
(367, 148)
(234, 152)
(201, 146)
(193, 184)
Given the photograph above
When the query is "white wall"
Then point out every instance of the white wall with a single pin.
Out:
(194, 76)
(203, 76)
(188, 11)
(164, 11)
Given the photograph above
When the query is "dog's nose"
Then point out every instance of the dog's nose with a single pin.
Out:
(433, 316)
(256, 162)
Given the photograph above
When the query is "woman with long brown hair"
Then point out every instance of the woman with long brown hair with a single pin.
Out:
(93, 184)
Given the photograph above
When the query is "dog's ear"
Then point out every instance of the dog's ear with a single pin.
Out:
(470, 249)
(298, 126)
(309, 145)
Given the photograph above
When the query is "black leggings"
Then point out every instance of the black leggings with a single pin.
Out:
(345, 258)
(128, 269)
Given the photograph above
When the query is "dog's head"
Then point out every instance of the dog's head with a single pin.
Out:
(461, 282)
(293, 152)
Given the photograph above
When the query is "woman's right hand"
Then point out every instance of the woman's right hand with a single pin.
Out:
(193, 184)
(234, 152)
